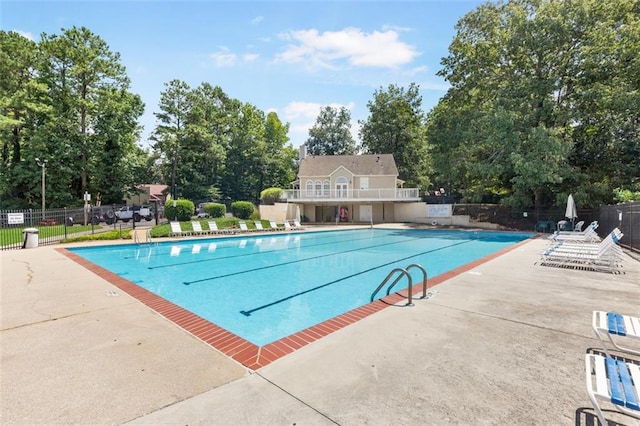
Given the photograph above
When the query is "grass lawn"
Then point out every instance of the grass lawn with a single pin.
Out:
(14, 235)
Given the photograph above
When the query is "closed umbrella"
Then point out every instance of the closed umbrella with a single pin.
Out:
(571, 212)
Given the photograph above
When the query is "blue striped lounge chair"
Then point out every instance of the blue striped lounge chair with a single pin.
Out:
(625, 329)
(613, 380)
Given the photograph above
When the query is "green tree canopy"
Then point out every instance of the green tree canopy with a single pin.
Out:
(396, 125)
(543, 101)
(331, 134)
(65, 99)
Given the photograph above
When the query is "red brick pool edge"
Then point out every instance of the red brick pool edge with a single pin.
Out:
(243, 351)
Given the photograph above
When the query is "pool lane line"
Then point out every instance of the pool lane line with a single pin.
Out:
(275, 265)
(256, 253)
(293, 296)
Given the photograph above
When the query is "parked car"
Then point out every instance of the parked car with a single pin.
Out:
(96, 216)
(136, 213)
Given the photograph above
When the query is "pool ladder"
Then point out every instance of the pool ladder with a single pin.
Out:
(137, 240)
(402, 272)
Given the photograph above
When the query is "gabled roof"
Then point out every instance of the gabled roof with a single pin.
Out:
(155, 191)
(359, 165)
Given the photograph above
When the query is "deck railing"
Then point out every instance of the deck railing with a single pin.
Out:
(372, 194)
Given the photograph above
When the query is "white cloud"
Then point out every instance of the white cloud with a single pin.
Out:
(396, 28)
(417, 70)
(302, 116)
(224, 58)
(351, 45)
(25, 34)
(250, 57)
(257, 19)
(435, 86)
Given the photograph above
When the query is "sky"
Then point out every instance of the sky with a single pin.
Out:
(291, 57)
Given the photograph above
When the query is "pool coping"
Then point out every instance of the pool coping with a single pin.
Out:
(246, 353)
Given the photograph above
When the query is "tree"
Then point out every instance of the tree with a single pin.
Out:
(208, 129)
(118, 163)
(169, 135)
(279, 167)
(64, 99)
(541, 92)
(22, 101)
(396, 125)
(80, 71)
(245, 155)
(331, 134)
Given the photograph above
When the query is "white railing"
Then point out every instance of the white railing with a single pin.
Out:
(380, 194)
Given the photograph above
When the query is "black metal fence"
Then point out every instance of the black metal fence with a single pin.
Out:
(55, 225)
(624, 216)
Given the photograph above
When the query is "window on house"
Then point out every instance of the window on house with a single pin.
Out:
(364, 183)
(309, 188)
(318, 188)
(326, 187)
(342, 187)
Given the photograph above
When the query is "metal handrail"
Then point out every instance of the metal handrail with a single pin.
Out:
(403, 272)
(136, 239)
(424, 278)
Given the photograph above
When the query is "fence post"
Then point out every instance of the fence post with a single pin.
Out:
(65, 223)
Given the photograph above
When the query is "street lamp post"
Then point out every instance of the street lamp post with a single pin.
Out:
(43, 165)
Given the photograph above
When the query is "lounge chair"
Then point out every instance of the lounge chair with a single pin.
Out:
(604, 256)
(213, 227)
(258, 225)
(613, 380)
(582, 246)
(297, 225)
(624, 327)
(588, 235)
(176, 230)
(243, 226)
(610, 243)
(197, 228)
(287, 225)
(274, 226)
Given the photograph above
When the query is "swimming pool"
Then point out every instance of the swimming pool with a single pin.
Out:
(265, 287)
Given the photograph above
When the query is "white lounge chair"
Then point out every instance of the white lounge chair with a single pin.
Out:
(604, 256)
(258, 225)
(623, 327)
(197, 228)
(243, 226)
(287, 225)
(608, 244)
(213, 227)
(296, 224)
(274, 225)
(614, 380)
(176, 230)
(588, 235)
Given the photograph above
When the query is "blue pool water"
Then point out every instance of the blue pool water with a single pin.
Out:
(266, 287)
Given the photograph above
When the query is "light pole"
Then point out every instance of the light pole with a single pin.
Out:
(43, 165)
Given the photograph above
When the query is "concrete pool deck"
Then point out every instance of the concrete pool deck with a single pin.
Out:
(502, 343)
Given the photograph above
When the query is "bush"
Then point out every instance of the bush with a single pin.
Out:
(215, 209)
(242, 209)
(181, 212)
(270, 195)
